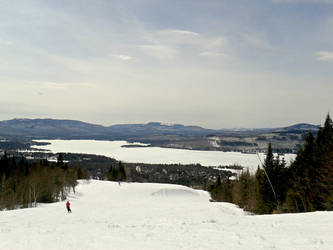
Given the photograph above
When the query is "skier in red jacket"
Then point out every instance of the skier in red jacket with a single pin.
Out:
(68, 206)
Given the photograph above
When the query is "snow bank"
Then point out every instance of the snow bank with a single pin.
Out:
(157, 216)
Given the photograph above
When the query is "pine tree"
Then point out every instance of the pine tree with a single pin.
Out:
(265, 193)
(117, 173)
(299, 197)
(121, 173)
(60, 161)
(269, 160)
(243, 191)
(324, 182)
(312, 173)
(221, 190)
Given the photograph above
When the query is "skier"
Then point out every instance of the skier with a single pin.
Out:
(68, 206)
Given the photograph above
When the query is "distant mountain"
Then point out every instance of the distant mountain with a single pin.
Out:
(301, 127)
(156, 128)
(286, 139)
(298, 128)
(70, 129)
(49, 128)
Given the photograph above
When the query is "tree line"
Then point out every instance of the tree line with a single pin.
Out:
(24, 183)
(304, 186)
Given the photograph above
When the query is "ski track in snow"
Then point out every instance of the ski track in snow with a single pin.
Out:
(157, 216)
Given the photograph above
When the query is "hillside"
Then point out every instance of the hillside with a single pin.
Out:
(20, 132)
(70, 129)
(157, 216)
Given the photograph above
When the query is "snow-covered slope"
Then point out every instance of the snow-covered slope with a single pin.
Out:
(157, 216)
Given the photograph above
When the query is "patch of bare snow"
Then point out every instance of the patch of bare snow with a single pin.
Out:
(214, 141)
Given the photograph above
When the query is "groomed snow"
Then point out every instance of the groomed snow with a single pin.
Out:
(157, 216)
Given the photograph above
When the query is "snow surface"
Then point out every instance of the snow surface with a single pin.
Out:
(155, 154)
(157, 216)
(214, 141)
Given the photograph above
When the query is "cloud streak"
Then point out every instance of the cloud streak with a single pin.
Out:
(171, 43)
(159, 51)
(325, 56)
(123, 57)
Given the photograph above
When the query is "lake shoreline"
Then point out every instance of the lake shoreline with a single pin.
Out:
(154, 155)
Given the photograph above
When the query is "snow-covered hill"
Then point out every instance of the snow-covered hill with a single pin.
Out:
(157, 216)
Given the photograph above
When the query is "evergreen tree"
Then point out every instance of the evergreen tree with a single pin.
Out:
(307, 185)
(221, 190)
(269, 160)
(25, 184)
(324, 180)
(117, 173)
(122, 173)
(60, 161)
(265, 192)
(312, 173)
(243, 191)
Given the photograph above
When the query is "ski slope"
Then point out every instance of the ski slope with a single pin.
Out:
(157, 216)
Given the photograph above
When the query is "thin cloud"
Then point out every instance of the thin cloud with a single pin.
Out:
(73, 64)
(178, 32)
(213, 47)
(58, 85)
(161, 52)
(325, 56)
(169, 43)
(217, 43)
(5, 42)
(123, 57)
(211, 54)
(175, 36)
(256, 40)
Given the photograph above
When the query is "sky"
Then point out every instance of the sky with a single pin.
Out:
(214, 63)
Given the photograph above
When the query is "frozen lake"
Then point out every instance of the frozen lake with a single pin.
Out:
(115, 150)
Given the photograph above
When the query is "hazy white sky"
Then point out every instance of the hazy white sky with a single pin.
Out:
(214, 63)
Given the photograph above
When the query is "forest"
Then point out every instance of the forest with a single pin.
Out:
(24, 183)
(305, 186)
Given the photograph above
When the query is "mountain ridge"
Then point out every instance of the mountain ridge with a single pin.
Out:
(286, 139)
(16, 121)
(74, 128)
